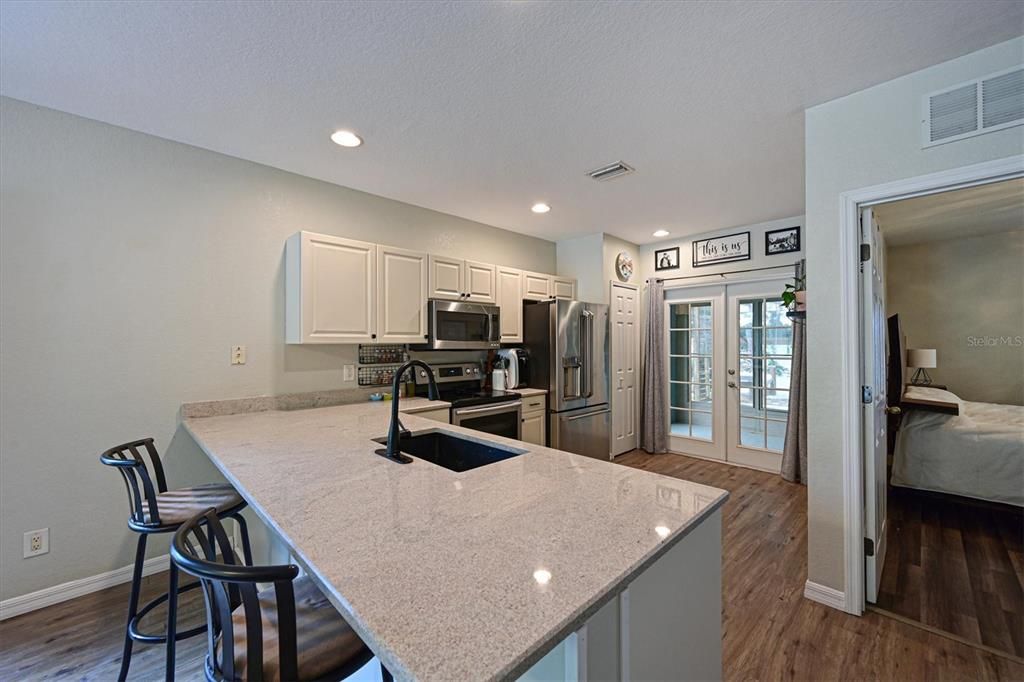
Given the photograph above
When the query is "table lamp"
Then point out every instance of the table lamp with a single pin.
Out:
(921, 359)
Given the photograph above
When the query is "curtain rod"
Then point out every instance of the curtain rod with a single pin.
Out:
(721, 274)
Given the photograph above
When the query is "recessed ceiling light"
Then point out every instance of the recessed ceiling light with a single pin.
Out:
(346, 138)
(662, 531)
(661, 233)
(542, 576)
(540, 207)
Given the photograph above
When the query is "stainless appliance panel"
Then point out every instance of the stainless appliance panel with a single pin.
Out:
(584, 432)
(500, 419)
(454, 325)
(568, 346)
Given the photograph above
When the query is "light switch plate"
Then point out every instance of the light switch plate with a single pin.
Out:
(348, 372)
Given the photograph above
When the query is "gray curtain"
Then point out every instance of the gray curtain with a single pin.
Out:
(654, 400)
(794, 455)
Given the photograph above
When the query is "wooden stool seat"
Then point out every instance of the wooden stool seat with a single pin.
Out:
(324, 641)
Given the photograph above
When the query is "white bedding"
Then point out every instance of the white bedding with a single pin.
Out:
(978, 453)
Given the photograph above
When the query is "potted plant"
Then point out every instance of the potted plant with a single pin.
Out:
(794, 297)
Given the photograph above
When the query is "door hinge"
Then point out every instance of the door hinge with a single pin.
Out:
(866, 395)
(869, 547)
(865, 253)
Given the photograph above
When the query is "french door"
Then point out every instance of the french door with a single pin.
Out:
(730, 363)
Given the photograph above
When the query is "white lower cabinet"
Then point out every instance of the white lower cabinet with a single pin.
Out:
(439, 415)
(534, 426)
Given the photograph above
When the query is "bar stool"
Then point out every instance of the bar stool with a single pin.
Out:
(154, 509)
(287, 632)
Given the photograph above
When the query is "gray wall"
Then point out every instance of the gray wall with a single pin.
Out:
(965, 298)
(130, 265)
(591, 260)
(865, 139)
(758, 259)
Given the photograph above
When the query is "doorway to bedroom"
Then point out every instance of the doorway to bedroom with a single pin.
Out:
(942, 292)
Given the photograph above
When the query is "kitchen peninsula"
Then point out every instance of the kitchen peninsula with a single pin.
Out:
(543, 565)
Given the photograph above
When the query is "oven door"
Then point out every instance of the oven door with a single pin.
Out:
(501, 419)
(459, 326)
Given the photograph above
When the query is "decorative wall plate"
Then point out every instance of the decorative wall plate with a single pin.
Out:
(624, 266)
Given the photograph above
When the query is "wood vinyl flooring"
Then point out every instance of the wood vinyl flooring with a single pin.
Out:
(771, 632)
(956, 565)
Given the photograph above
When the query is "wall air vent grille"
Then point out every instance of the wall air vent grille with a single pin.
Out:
(984, 105)
(614, 170)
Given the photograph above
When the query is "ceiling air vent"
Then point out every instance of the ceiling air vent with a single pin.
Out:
(980, 106)
(613, 171)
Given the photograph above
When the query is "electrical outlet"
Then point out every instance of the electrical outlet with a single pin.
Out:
(348, 372)
(237, 355)
(36, 542)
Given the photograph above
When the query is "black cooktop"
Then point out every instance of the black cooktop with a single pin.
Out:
(465, 397)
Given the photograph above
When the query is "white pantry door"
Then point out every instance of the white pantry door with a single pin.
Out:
(625, 358)
(873, 376)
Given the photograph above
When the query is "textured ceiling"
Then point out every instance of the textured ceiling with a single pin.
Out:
(481, 109)
(972, 212)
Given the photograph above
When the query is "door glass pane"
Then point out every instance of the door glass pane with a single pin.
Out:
(679, 422)
(765, 367)
(690, 369)
(752, 432)
(700, 425)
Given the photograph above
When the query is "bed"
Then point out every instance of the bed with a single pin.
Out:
(948, 445)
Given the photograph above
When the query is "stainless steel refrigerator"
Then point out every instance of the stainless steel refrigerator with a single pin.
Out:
(568, 350)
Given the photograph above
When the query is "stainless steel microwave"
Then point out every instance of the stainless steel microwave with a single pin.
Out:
(454, 325)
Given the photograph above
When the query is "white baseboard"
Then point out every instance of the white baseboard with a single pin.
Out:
(48, 596)
(825, 595)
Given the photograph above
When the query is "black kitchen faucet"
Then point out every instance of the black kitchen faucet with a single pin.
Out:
(395, 429)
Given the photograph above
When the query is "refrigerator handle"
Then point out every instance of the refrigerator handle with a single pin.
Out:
(587, 349)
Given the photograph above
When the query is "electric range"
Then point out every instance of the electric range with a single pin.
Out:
(473, 406)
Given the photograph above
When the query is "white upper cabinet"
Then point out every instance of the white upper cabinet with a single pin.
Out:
(480, 282)
(536, 286)
(446, 278)
(401, 295)
(331, 289)
(563, 287)
(510, 300)
(462, 280)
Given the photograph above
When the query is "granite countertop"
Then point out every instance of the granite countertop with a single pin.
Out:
(527, 392)
(435, 569)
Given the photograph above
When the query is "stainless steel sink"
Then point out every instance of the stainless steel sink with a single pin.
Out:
(452, 452)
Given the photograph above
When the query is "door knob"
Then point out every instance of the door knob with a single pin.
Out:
(894, 410)
(732, 384)
(732, 372)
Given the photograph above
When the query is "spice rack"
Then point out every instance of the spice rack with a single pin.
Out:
(379, 362)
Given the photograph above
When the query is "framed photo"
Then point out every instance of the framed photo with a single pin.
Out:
(725, 249)
(666, 259)
(786, 240)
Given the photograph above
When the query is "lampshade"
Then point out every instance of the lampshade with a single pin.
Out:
(921, 357)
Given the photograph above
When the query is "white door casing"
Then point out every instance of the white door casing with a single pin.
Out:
(401, 295)
(625, 360)
(873, 372)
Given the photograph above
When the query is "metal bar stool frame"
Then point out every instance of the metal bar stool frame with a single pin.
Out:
(144, 519)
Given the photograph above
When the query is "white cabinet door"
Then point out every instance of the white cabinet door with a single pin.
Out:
(479, 281)
(510, 300)
(536, 286)
(446, 278)
(401, 295)
(563, 287)
(331, 289)
(533, 428)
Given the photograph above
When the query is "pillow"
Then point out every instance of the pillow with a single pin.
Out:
(925, 393)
